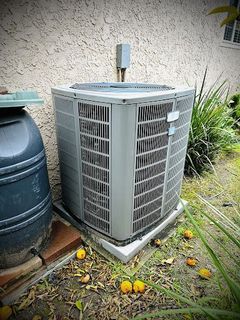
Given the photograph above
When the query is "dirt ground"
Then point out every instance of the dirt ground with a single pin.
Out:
(55, 297)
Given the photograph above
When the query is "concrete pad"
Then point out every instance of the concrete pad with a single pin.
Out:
(127, 252)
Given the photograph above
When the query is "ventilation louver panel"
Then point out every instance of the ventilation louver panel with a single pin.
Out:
(151, 155)
(67, 151)
(177, 154)
(94, 124)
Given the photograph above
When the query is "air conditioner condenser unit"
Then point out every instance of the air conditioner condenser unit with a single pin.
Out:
(122, 149)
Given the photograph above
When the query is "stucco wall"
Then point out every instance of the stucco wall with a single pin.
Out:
(49, 42)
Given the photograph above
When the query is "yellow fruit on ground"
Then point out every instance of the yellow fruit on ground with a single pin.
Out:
(5, 312)
(205, 273)
(191, 262)
(85, 278)
(138, 286)
(126, 286)
(157, 242)
(188, 234)
(81, 254)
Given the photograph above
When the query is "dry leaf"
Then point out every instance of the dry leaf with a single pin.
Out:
(194, 289)
(169, 260)
(88, 287)
(37, 317)
(100, 284)
(187, 246)
(90, 251)
(28, 301)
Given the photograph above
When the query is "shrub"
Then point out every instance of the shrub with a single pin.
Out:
(211, 128)
(234, 105)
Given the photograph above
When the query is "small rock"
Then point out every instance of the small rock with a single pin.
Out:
(227, 204)
(53, 278)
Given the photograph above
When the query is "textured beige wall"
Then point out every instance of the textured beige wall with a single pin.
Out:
(49, 42)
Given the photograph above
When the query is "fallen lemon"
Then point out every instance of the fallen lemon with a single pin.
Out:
(191, 262)
(205, 273)
(138, 286)
(126, 286)
(5, 312)
(188, 234)
(85, 278)
(81, 254)
(157, 242)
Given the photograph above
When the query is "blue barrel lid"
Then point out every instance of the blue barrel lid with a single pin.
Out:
(20, 99)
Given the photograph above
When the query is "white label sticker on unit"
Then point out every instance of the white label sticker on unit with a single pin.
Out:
(171, 131)
(172, 116)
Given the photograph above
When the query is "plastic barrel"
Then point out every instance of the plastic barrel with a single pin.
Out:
(25, 198)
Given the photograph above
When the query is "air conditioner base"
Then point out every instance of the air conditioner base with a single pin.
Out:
(125, 252)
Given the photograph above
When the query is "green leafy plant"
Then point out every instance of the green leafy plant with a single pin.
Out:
(234, 105)
(202, 306)
(233, 13)
(211, 128)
